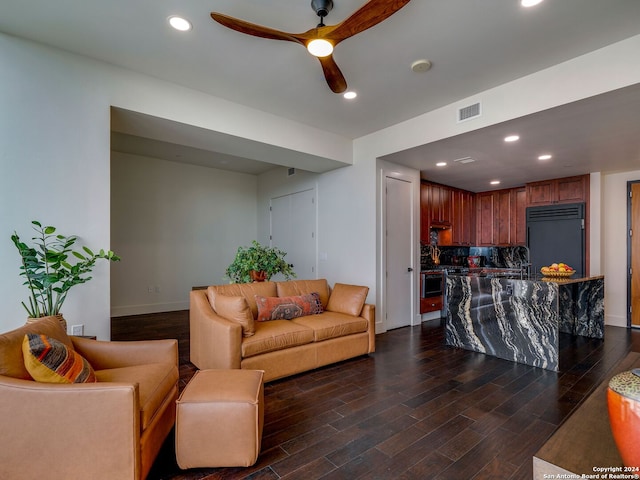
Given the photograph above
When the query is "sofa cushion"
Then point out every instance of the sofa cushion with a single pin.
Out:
(234, 309)
(286, 308)
(246, 290)
(332, 324)
(11, 359)
(347, 299)
(51, 361)
(275, 335)
(155, 381)
(301, 287)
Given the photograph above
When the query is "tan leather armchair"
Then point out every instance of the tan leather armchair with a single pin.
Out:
(112, 429)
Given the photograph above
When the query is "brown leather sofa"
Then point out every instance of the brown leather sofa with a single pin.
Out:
(345, 329)
(106, 430)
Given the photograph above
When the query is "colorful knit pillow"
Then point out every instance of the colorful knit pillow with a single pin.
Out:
(286, 308)
(51, 361)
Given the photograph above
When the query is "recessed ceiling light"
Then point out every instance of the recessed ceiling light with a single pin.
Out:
(180, 23)
(512, 138)
(350, 95)
(495, 182)
(441, 164)
(544, 157)
(530, 3)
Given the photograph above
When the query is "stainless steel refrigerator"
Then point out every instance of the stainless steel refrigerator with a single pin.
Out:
(555, 234)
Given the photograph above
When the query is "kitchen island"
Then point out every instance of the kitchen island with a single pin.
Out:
(521, 320)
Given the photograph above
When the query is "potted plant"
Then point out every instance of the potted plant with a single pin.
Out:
(49, 272)
(258, 263)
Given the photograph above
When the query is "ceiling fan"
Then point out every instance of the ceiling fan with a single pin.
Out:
(321, 40)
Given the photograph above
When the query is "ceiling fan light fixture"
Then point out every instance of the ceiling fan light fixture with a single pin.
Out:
(180, 23)
(350, 95)
(320, 47)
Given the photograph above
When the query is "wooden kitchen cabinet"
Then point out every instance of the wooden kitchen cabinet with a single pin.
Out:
(485, 218)
(450, 210)
(501, 217)
(463, 218)
(425, 224)
(519, 223)
(559, 190)
(439, 204)
(431, 304)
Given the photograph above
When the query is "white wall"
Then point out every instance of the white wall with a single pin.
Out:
(175, 226)
(614, 229)
(55, 155)
(567, 82)
(346, 219)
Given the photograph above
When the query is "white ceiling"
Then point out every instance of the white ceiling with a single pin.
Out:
(474, 45)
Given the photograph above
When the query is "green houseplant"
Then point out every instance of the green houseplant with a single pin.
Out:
(47, 268)
(258, 263)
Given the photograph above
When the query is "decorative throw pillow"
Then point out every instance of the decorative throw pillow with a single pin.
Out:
(51, 361)
(286, 308)
(235, 309)
(347, 299)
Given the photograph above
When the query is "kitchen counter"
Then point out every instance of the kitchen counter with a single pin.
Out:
(520, 320)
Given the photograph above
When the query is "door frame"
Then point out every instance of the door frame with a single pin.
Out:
(415, 241)
(629, 250)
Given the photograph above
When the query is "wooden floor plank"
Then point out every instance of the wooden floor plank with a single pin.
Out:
(414, 409)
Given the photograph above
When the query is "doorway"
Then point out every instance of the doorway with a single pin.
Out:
(633, 253)
(399, 252)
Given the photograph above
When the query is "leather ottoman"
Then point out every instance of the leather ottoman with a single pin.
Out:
(219, 419)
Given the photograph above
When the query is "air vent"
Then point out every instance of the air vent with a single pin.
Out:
(469, 112)
(464, 160)
(555, 212)
(291, 171)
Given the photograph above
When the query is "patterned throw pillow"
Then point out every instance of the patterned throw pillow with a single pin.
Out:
(51, 361)
(286, 308)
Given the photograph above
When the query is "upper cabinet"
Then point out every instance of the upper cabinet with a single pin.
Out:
(439, 205)
(558, 190)
(463, 231)
(449, 211)
(491, 218)
(501, 217)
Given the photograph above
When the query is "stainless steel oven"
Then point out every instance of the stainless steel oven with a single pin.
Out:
(432, 284)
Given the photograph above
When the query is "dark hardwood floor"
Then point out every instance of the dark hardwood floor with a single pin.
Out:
(415, 409)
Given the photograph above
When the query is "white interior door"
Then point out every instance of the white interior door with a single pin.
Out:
(398, 252)
(293, 229)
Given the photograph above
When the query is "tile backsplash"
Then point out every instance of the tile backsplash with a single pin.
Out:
(496, 257)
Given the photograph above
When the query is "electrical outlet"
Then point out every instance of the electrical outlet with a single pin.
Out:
(77, 330)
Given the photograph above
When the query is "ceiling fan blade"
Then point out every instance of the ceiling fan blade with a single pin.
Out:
(253, 29)
(367, 16)
(332, 74)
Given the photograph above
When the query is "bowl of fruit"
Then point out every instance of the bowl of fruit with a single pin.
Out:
(561, 270)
